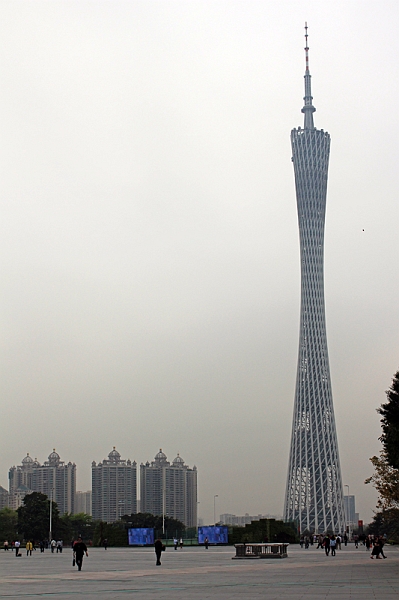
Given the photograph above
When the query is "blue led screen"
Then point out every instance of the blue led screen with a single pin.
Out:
(141, 536)
(215, 534)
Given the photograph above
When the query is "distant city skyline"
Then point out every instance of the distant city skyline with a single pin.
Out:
(83, 499)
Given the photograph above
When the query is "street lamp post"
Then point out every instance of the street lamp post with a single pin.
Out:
(51, 516)
(214, 508)
(163, 499)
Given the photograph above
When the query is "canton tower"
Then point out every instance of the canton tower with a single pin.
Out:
(314, 498)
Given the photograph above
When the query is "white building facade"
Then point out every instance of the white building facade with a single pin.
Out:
(169, 489)
(114, 488)
(55, 479)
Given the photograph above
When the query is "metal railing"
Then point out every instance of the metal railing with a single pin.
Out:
(277, 550)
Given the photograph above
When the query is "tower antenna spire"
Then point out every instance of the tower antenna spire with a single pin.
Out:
(306, 47)
(308, 108)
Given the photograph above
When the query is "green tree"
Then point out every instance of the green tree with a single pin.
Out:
(8, 524)
(172, 526)
(390, 423)
(116, 533)
(386, 466)
(386, 521)
(34, 516)
(259, 531)
(386, 482)
(72, 526)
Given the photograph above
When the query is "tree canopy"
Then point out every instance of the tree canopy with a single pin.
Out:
(8, 524)
(174, 526)
(34, 516)
(386, 466)
(390, 423)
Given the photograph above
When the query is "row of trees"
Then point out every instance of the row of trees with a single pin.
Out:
(264, 530)
(386, 467)
(31, 521)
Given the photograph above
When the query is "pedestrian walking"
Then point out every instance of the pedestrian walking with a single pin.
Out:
(105, 544)
(326, 544)
(175, 543)
(17, 545)
(29, 548)
(333, 544)
(376, 549)
(79, 549)
(5, 545)
(206, 542)
(159, 548)
(181, 543)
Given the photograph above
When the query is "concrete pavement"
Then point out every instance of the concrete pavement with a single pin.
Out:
(195, 573)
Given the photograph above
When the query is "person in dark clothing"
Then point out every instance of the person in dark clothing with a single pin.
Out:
(79, 548)
(206, 542)
(326, 544)
(159, 548)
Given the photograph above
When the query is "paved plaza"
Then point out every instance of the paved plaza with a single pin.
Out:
(196, 573)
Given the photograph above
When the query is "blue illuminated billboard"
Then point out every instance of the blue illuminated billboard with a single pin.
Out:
(141, 536)
(215, 534)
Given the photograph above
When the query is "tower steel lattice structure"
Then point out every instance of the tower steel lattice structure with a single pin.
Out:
(314, 495)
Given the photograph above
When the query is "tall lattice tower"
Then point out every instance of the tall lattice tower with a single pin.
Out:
(314, 498)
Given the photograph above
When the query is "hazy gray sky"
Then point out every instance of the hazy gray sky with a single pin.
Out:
(150, 256)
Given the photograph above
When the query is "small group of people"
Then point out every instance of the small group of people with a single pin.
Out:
(16, 545)
(56, 546)
(377, 545)
(178, 543)
(331, 543)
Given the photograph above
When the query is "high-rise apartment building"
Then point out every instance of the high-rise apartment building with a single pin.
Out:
(169, 489)
(114, 488)
(83, 503)
(314, 495)
(54, 478)
(4, 498)
(350, 511)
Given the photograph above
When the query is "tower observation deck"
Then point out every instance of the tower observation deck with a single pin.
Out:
(314, 495)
